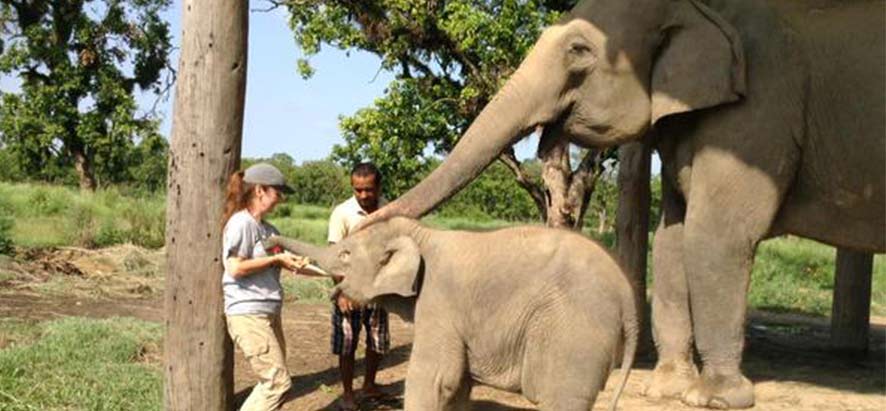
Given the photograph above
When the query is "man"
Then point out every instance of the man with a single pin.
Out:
(347, 317)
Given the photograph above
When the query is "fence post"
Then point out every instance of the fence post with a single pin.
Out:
(851, 310)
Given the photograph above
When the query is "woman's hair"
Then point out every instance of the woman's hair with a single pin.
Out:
(237, 197)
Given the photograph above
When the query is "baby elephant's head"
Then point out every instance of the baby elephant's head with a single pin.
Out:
(379, 260)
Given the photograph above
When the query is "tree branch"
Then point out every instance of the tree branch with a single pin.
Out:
(274, 4)
(509, 158)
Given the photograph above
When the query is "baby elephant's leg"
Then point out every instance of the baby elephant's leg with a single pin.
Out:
(435, 379)
(576, 370)
(462, 399)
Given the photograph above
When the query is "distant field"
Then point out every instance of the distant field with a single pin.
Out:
(790, 274)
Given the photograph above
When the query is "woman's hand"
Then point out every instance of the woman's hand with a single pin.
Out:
(291, 262)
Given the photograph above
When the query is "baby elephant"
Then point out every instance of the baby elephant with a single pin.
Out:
(533, 310)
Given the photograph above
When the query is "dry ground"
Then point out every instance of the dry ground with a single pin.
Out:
(786, 356)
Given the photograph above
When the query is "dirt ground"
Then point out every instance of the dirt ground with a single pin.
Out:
(786, 355)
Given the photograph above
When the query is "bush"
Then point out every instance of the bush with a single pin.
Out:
(321, 183)
(6, 223)
(495, 194)
(145, 222)
(81, 223)
(5, 235)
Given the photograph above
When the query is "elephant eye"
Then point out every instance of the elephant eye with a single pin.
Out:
(579, 48)
(580, 56)
(344, 255)
(386, 257)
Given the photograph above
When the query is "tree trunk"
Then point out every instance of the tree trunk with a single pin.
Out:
(851, 310)
(567, 192)
(84, 169)
(556, 174)
(204, 151)
(632, 224)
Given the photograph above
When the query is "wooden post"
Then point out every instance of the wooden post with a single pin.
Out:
(851, 310)
(632, 224)
(204, 151)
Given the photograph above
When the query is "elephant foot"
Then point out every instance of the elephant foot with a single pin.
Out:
(671, 378)
(720, 391)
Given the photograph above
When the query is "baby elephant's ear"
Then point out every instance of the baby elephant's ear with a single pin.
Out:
(398, 270)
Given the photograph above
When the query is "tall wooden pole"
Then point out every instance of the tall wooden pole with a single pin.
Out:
(632, 224)
(851, 310)
(204, 151)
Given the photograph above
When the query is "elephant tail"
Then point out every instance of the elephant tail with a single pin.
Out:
(630, 327)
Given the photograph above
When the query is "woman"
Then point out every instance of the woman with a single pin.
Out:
(251, 281)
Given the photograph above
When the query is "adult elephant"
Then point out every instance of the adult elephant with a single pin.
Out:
(768, 116)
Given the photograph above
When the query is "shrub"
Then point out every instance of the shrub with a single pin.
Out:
(5, 237)
(145, 221)
(6, 222)
(81, 224)
(320, 182)
(494, 194)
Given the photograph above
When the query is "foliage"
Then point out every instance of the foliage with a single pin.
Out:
(449, 58)
(11, 170)
(601, 213)
(6, 224)
(79, 65)
(493, 195)
(78, 363)
(320, 182)
(397, 132)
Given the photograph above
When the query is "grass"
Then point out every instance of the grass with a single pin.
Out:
(80, 364)
(46, 216)
(306, 290)
(797, 275)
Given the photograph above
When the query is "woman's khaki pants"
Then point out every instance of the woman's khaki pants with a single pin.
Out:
(260, 337)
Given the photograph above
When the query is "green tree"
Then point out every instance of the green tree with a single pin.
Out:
(321, 182)
(449, 57)
(495, 194)
(79, 63)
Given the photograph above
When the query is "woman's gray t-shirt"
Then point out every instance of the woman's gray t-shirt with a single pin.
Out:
(259, 292)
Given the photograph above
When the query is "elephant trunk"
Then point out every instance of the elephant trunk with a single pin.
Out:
(506, 119)
(322, 256)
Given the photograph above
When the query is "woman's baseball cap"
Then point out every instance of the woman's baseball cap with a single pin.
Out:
(266, 175)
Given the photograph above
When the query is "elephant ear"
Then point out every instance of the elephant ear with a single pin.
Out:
(701, 63)
(400, 265)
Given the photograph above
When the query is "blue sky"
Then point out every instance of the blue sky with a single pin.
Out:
(285, 113)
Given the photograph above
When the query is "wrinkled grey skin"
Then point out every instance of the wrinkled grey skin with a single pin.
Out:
(530, 309)
(768, 115)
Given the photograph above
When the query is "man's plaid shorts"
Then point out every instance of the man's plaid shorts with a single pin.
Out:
(346, 329)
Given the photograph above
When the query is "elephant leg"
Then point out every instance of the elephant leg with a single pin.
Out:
(731, 207)
(671, 324)
(435, 378)
(462, 399)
